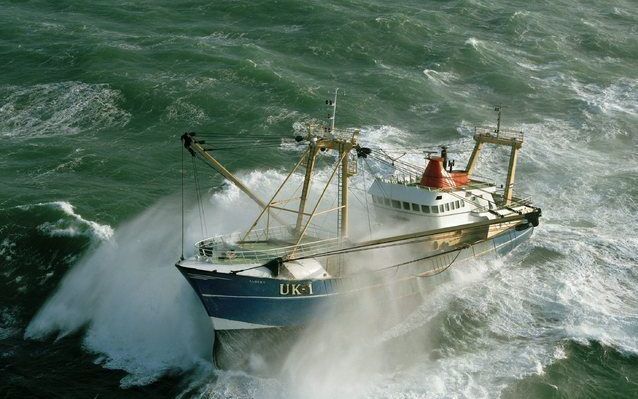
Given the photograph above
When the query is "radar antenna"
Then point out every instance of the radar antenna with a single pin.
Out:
(331, 118)
(428, 154)
(498, 109)
(393, 159)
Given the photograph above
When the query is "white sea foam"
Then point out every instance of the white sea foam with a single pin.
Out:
(619, 97)
(57, 109)
(441, 78)
(280, 114)
(217, 39)
(8, 324)
(529, 66)
(182, 110)
(623, 13)
(7, 249)
(356, 370)
(523, 310)
(76, 159)
(497, 321)
(474, 42)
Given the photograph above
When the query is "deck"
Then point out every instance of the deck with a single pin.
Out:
(263, 245)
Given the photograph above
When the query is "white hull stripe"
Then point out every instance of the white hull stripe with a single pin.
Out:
(226, 324)
(205, 277)
(267, 297)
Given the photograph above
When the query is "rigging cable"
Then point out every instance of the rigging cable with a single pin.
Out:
(182, 173)
(385, 195)
(202, 216)
(431, 273)
(400, 240)
(363, 172)
(391, 242)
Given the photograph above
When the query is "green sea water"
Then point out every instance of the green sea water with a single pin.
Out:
(95, 95)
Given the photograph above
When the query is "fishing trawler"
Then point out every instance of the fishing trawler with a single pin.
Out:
(287, 271)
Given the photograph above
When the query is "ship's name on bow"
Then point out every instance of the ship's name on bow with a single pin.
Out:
(291, 289)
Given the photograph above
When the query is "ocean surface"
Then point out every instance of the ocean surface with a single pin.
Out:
(95, 95)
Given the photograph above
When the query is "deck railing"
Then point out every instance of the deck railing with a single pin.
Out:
(275, 241)
(415, 181)
(502, 134)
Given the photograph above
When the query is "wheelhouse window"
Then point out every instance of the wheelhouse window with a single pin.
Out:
(387, 202)
(396, 204)
(435, 209)
(425, 209)
(406, 206)
(415, 207)
(462, 204)
(447, 207)
(458, 203)
(441, 208)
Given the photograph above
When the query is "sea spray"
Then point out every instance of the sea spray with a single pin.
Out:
(138, 311)
(467, 327)
(136, 308)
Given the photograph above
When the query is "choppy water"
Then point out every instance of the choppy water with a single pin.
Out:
(94, 96)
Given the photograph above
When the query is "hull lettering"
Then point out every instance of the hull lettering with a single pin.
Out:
(291, 289)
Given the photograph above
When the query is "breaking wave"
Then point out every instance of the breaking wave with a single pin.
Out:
(74, 226)
(135, 308)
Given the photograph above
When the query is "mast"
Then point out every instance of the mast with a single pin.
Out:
(509, 138)
(343, 217)
(310, 165)
(511, 174)
(314, 210)
(343, 143)
(498, 109)
(319, 140)
(334, 110)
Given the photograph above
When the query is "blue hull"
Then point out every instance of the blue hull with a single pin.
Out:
(240, 302)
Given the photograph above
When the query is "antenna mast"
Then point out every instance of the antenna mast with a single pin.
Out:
(334, 110)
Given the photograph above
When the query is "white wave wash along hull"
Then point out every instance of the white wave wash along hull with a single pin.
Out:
(285, 272)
